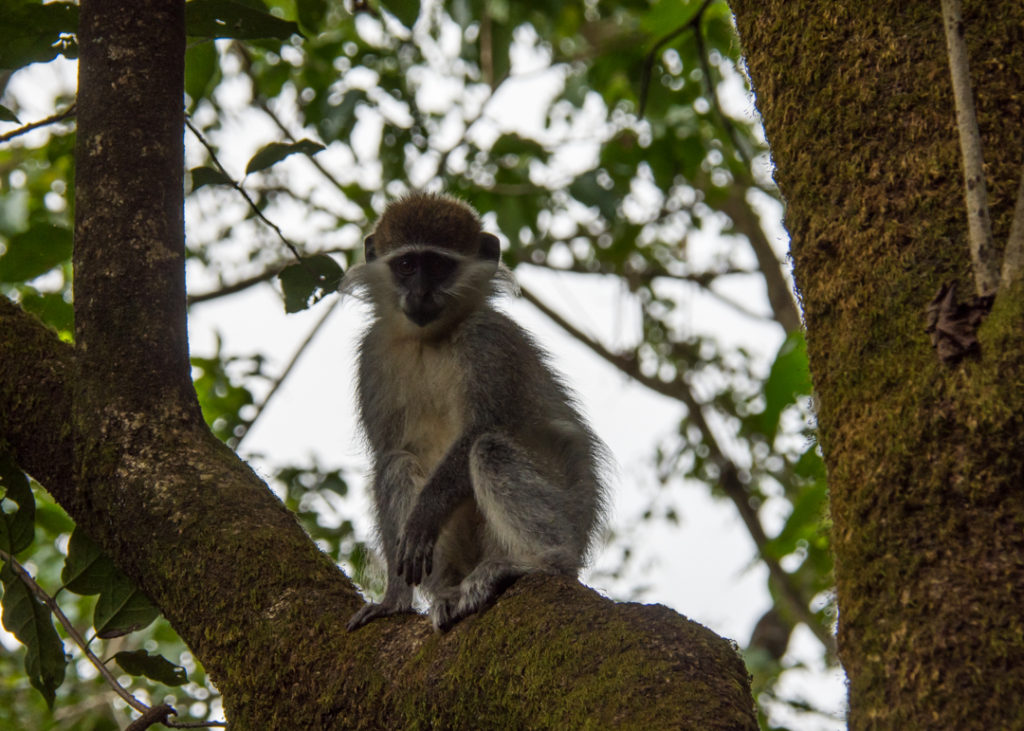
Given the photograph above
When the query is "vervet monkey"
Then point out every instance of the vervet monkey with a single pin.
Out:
(483, 470)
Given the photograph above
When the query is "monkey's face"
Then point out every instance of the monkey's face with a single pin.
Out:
(423, 280)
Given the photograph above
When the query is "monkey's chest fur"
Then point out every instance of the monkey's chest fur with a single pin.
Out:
(422, 394)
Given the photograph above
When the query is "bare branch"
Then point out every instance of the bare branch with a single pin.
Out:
(702, 56)
(979, 227)
(780, 296)
(645, 82)
(235, 287)
(243, 54)
(58, 117)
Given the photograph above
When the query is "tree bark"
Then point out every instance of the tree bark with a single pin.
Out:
(112, 428)
(925, 461)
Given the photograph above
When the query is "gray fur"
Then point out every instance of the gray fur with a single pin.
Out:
(483, 468)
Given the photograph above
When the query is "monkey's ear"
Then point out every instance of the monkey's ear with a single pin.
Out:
(490, 247)
(368, 247)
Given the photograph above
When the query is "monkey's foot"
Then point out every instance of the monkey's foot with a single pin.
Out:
(446, 613)
(369, 612)
(477, 592)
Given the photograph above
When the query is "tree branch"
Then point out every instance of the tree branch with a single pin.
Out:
(225, 567)
(235, 287)
(780, 295)
(35, 400)
(979, 227)
(58, 117)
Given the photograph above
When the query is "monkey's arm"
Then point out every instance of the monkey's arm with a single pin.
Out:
(394, 487)
(446, 489)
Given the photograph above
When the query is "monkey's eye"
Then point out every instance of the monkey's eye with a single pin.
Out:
(405, 266)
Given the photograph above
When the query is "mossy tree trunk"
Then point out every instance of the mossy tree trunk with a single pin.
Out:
(926, 460)
(112, 429)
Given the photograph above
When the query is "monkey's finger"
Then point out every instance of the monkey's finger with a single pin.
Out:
(416, 569)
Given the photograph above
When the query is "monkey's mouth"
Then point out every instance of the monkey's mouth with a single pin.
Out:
(422, 313)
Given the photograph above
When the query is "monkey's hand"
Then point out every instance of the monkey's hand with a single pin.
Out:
(416, 549)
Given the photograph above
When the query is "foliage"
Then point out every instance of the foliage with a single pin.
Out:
(399, 96)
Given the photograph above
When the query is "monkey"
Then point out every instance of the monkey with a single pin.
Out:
(483, 469)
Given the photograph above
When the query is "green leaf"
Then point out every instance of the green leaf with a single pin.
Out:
(810, 466)
(208, 176)
(201, 71)
(405, 10)
(220, 396)
(35, 252)
(122, 608)
(311, 14)
(29, 621)
(51, 518)
(51, 308)
(803, 522)
(513, 144)
(227, 19)
(308, 281)
(86, 569)
(340, 119)
(154, 667)
(788, 379)
(276, 151)
(32, 32)
(6, 115)
(666, 15)
(17, 527)
(588, 191)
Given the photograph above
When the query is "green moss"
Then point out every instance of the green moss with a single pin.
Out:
(924, 459)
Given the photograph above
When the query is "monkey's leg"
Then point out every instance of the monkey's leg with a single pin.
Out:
(396, 481)
(528, 527)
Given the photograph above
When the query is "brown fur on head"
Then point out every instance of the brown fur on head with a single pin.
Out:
(427, 219)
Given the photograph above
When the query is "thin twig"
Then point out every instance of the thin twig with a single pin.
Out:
(156, 714)
(645, 81)
(780, 294)
(59, 116)
(731, 484)
(979, 227)
(235, 287)
(73, 633)
(252, 204)
(712, 90)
